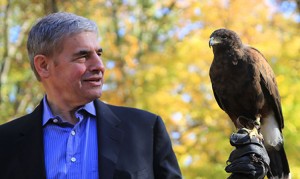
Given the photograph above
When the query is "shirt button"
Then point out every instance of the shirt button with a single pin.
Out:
(73, 159)
(55, 120)
(73, 133)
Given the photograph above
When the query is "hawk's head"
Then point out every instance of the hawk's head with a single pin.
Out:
(224, 39)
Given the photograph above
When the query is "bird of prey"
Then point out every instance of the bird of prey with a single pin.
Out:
(245, 87)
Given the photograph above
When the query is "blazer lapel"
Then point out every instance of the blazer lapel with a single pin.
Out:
(109, 139)
(31, 146)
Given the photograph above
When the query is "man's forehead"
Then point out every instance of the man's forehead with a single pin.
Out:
(85, 40)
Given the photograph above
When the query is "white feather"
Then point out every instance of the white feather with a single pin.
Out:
(282, 177)
(271, 132)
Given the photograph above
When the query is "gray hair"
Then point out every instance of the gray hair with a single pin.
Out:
(46, 36)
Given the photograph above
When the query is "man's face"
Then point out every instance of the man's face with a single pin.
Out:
(76, 73)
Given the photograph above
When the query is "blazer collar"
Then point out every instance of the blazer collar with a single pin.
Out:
(109, 139)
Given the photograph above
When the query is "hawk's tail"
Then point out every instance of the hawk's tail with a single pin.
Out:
(278, 163)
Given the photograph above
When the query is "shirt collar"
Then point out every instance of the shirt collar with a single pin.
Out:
(89, 107)
(48, 115)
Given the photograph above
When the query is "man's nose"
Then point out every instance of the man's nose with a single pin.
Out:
(96, 63)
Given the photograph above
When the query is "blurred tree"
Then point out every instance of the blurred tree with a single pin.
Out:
(19, 92)
(157, 58)
(50, 6)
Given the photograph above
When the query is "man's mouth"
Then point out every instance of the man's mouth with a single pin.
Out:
(95, 81)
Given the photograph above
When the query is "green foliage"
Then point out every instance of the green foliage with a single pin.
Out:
(158, 59)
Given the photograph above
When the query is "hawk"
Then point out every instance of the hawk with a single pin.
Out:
(245, 87)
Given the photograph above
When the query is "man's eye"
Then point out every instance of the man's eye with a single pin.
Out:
(81, 59)
(84, 56)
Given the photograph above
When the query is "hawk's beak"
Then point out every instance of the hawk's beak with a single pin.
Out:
(213, 41)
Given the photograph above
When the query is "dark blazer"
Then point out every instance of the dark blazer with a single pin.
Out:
(132, 144)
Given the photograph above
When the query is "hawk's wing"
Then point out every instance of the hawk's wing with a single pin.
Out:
(268, 84)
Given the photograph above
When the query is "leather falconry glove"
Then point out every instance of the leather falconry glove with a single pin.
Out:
(249, 159)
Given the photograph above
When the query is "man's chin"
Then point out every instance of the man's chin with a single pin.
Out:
(91, 93)
(94, 96)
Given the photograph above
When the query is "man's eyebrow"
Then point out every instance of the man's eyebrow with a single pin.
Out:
(86, 52)
(82, 53)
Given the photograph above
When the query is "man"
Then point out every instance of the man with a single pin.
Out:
(72, 134)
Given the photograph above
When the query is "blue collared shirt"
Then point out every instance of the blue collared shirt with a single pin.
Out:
(71, 151)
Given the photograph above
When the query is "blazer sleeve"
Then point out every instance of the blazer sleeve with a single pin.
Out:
(165, 162)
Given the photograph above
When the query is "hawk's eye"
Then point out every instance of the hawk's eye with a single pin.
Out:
(224, 37)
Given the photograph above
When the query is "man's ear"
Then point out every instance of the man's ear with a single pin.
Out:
(42, 63)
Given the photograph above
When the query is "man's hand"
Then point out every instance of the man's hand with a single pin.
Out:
(249, 159)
